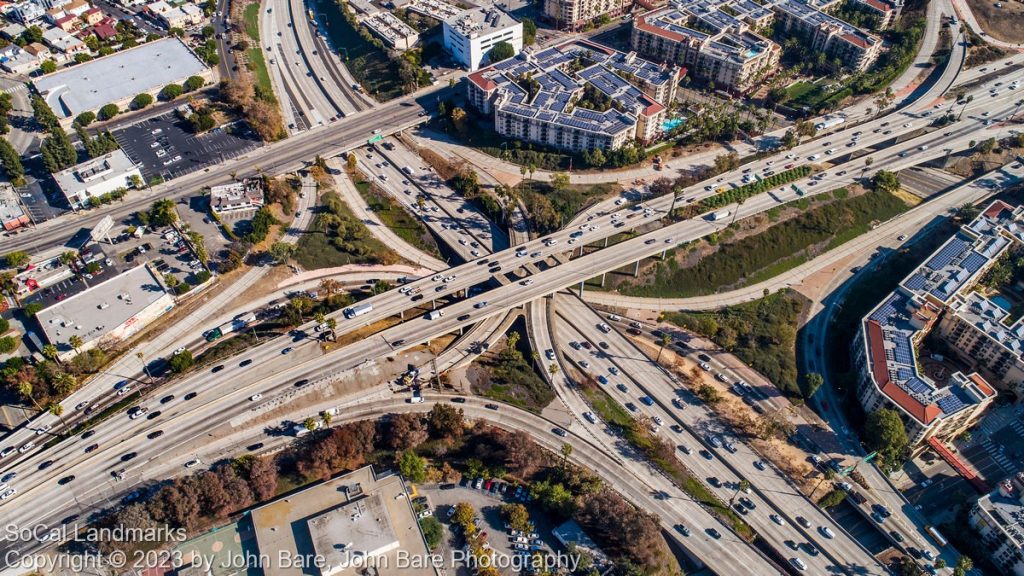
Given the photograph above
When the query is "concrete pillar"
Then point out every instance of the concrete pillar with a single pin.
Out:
(636, 269)
(663, 254)
(602, 279)
(605, 241)
(581, 289)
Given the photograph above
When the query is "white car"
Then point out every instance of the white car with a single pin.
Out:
(26, 447)
(777, 519)
(590, 417)
(826, 532)
(255, 397)
(124, 389)
(550, 354)
(527, 282)
(42, 429)
(193, 463)
(8, 493)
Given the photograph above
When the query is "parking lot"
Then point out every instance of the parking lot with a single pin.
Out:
(68, 282)
(163, 249)
(165, 146)
(195, 211)
(487, 503)
(42, 199)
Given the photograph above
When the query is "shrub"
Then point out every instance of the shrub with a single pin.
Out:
(109, 111)
(141, 101)
(171, 91)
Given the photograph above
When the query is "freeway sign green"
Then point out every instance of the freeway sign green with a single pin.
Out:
(376, 138)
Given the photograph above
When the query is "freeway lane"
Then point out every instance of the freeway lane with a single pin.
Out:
(272, 159)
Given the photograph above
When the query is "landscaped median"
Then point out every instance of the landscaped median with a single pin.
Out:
(746, 191)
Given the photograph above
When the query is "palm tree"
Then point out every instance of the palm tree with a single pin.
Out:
(553, 368)
(332, 323)
(566, 452)
(326, 417)
(966, 102)
(522, 171)
(75, 341)
(50, 352)
(8, 285)
(58, 411)
(664, 341)
(319, 317)
(25, 389)
(742, 486)
(64, 382)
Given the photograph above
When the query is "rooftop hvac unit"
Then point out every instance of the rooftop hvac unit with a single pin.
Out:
(103, 306)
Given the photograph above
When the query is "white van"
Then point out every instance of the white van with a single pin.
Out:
(408, 170)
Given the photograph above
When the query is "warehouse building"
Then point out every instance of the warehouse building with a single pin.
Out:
(118, 78)
(107, 313)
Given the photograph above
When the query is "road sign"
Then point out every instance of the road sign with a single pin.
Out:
(102, 228)
(376, 138)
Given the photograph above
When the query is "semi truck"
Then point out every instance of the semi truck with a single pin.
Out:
(357, 310)
(720, 215)
(240, 321)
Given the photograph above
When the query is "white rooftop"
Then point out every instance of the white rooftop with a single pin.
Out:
(118, 77)
(115, 164)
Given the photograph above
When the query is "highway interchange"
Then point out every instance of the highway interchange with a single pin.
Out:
(532, 274)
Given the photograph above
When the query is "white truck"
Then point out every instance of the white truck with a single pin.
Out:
(434, 314)
(357, 310)
(720, 215)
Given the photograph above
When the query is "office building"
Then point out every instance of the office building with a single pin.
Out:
(351, 524)
(576, 96)
(941, 295)
(237, 201)
(998, 518)
(107, 313)
(713, 44)
(470, 35)
(437, 9)
(96, 177)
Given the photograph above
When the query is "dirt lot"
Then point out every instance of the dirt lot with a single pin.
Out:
(1005, 23)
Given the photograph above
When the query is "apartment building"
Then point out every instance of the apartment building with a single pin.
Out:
(855, 48)
(575, 14)
(470, 35)
(714, 45)
(998, 518)
(549, 97)
(940, 295)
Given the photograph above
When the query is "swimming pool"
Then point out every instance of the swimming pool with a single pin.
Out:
(1001, 301)
(671, 124)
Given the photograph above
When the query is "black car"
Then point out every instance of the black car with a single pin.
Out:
(245, 363)
(301, 383)
(153, 415)
(714, 533)
(494, 269)
(740, 508)
(447, 486)
(69, 519)
(482, 261)
(66, 480)
(167, 399)
(91, 448)
(463, 318)
(748, 502)
(46, 465)
(128, 456)
(682, 529)
(217, 368)
(459, 400)
(256, 446)
(155, 434)
(491, 406)
(88, 434)
(714, 481)
(190, 395)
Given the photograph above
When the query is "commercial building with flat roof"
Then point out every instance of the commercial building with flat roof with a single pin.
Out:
(470, 35)
(941, 295)
(96, 177)
(12, 214)
(392, 30)
(437, 9)
(238, 200)
(106, 313)
(348, 524)
(118, 78)
(547, 109)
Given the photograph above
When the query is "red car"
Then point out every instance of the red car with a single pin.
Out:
(487, 485)
(790, 165)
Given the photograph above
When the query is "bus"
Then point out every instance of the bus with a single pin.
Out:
(937, 536)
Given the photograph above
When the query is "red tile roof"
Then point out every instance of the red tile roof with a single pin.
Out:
(878, 5)
(880, 371)
(857, 40)
(641, 23)
(479, 79)
(982, 384)
(996, 207)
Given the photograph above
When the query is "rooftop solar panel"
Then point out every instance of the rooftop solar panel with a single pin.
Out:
(950, 404)
(947, 254)
(915, 282)
(917, 386)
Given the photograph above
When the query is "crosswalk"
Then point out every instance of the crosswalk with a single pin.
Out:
(997, 455)
(16, 88)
